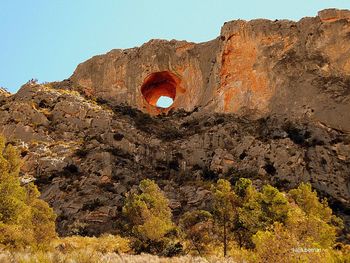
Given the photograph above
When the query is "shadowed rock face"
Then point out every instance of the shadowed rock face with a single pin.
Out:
(266, 100)
(261, 66)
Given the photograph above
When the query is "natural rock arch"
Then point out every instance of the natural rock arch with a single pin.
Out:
(157, 84)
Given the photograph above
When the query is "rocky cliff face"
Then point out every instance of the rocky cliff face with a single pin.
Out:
(261, 66)
(267, 100)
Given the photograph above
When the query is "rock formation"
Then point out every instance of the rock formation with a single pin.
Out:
(261, 66)
(267, 100)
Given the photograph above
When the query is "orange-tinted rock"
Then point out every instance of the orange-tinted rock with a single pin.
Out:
(159, 84)
(120, 75)
(259, 67)
(243, 86)
(330, 15)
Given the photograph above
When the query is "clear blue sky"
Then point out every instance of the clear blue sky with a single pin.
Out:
(47, 39)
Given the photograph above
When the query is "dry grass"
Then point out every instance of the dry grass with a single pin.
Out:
(105, 249)
(89, 256)
(104, 244)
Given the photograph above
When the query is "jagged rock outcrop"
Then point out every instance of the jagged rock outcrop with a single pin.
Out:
(261, 66)
(85, 156)
(267, 100)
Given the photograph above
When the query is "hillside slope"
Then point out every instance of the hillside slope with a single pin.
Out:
(267, 100)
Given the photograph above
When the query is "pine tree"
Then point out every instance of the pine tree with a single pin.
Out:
(313, 219)
(25, 220)
(303, 222)
(224, 209)
(12, 196)
(249, 213)
(148, 212)
(198, 229)
(42, 216)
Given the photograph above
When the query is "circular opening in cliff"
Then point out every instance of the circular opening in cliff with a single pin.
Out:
(164, 102)
(159, 89)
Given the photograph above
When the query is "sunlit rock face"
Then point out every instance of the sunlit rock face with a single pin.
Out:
(131, 76)
(260, 66)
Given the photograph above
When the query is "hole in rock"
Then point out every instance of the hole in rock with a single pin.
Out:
(164, 102)
(159, 89)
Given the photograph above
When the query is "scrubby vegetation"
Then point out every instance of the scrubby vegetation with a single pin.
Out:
(242, 223)
(265, 226)
(149, 218)
(25, 220)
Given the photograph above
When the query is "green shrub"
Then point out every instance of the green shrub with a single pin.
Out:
(25, 220)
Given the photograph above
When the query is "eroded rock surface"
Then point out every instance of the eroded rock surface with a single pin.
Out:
(259, 66)
(266, 100)
(85, 156)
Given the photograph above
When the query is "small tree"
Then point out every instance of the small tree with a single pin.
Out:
(308, 201)
(302, 222)
(313, 220)
(12, 196)
(42, 217)
(198, 228)
(224, 209)
(148, 212)
(257, 210)
(249, 213)
(25, 220)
